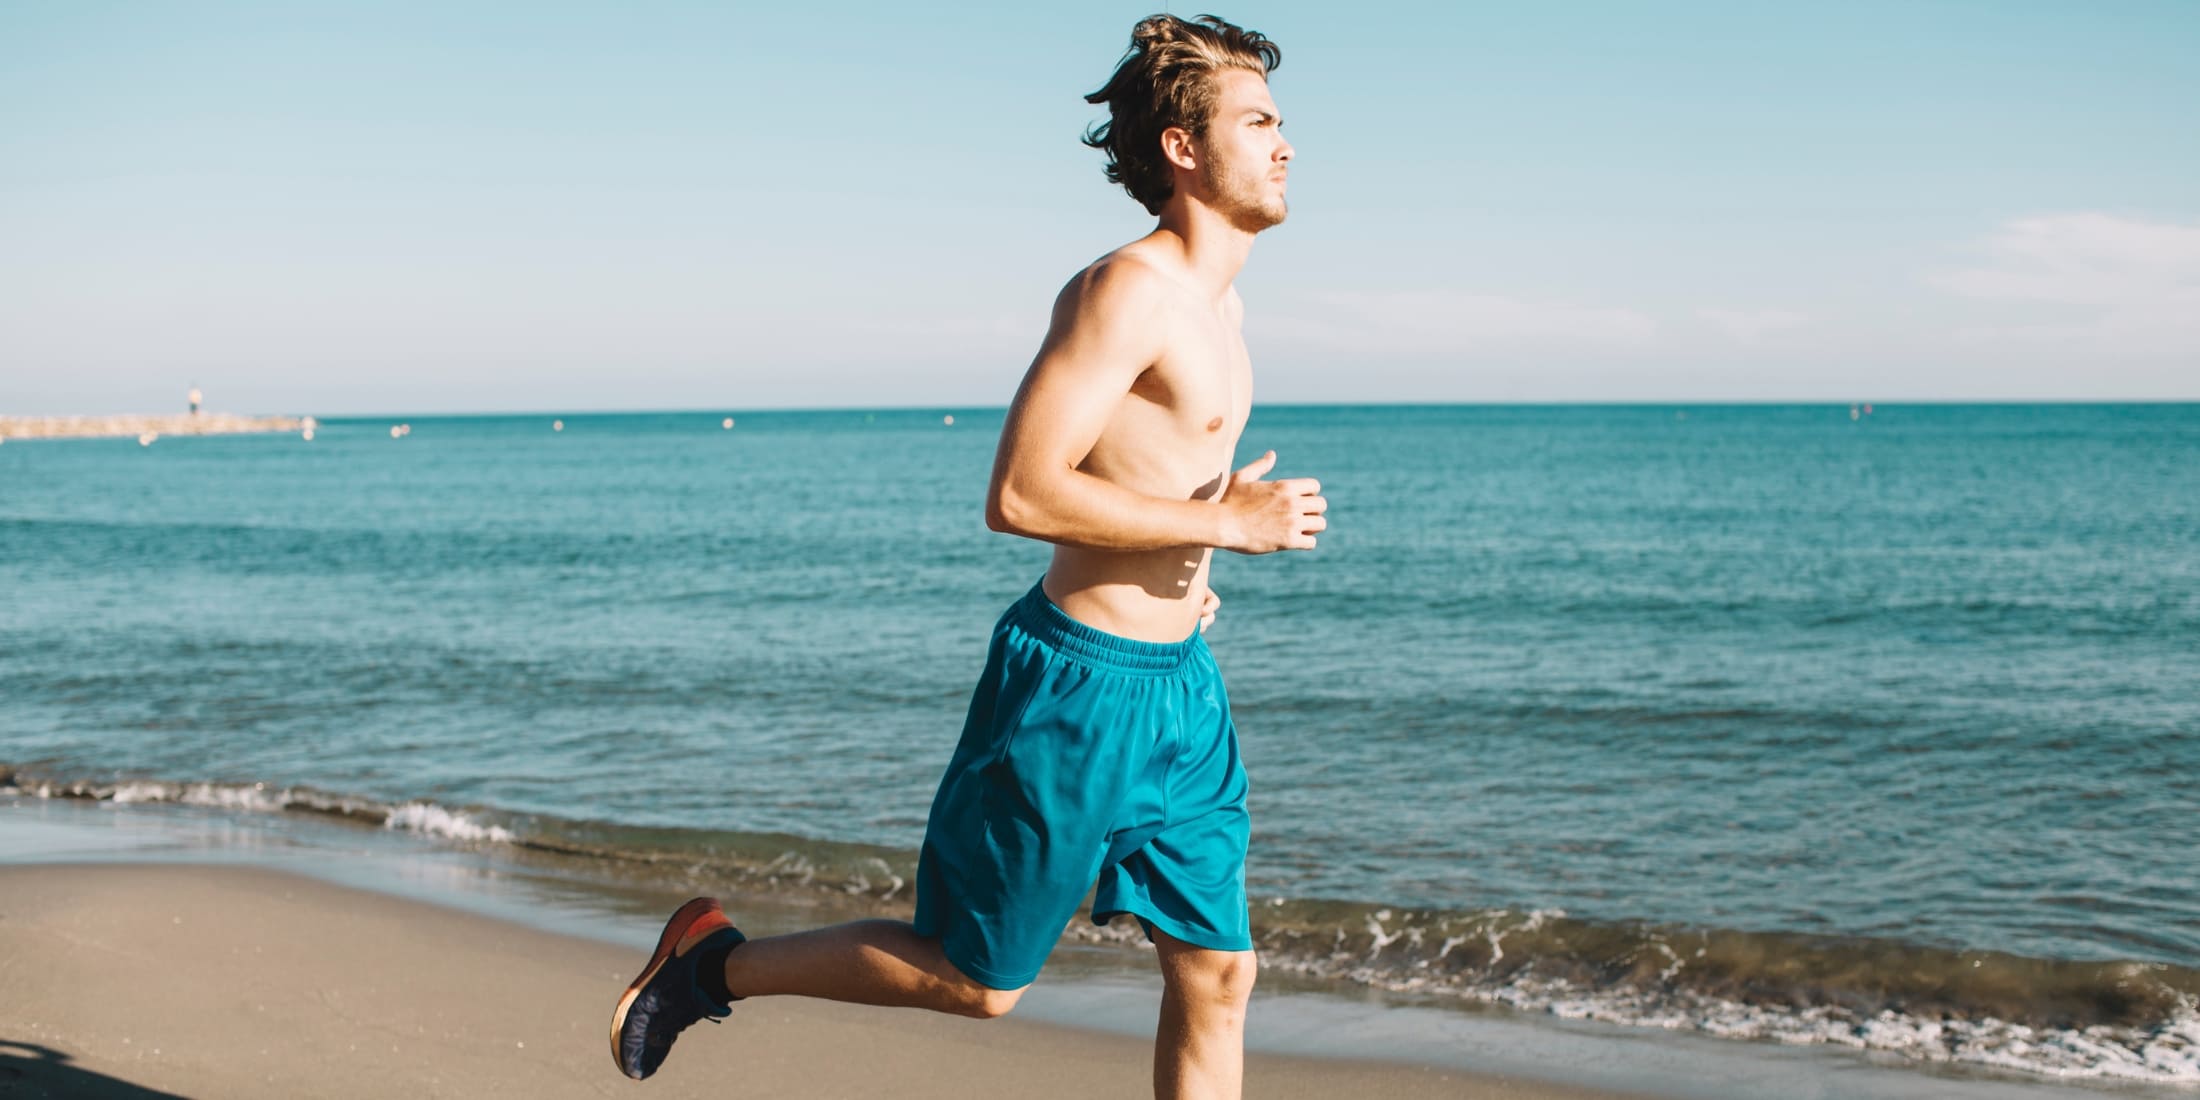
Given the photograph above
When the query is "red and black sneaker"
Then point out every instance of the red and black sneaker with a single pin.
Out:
(666, 998)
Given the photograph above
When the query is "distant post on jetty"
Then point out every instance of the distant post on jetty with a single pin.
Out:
(194, 401)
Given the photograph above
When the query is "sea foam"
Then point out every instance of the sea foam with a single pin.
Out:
(425, 818)
(436, 821)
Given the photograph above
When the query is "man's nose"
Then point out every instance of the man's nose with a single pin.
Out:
(1285, 153)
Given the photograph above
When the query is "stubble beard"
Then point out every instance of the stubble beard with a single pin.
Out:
(1240, 200)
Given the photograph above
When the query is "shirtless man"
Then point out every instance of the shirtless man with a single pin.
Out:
(1099, 743)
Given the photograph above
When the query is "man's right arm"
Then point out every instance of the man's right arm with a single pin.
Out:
(1108, 328)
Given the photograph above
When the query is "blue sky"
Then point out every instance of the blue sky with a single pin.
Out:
(332, 208)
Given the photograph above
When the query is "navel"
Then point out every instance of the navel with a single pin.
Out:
(1215, 425)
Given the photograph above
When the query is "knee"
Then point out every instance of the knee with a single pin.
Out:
(1221, 979)
(982, 1002)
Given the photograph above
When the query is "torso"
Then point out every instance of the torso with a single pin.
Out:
(1173, 435)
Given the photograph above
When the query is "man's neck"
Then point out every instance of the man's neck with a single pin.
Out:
(1214, 251)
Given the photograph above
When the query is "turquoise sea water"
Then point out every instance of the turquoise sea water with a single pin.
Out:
(1727, 715)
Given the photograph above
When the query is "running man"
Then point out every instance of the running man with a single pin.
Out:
(1099, 744)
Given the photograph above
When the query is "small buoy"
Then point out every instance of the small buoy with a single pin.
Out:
(1853, 413)
(557, 425)
(396, 431)
(1867, 409)
(309, 435)
(948, 420)
(727, 423)
(145, 439)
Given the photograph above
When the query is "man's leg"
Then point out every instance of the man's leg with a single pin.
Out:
(873, 962)
(1199, 1049)
(878, 962)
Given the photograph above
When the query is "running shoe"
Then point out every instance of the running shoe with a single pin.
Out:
(667, 997)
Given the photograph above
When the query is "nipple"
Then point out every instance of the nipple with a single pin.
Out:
(1215, 425)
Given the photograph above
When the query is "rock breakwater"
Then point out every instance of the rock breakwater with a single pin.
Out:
(144, 426)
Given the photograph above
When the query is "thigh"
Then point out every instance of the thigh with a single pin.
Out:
(1021, 821)
(1186, 877)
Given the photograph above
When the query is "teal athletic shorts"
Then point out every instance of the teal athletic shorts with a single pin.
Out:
(1086, 755)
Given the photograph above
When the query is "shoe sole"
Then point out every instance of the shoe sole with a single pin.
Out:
(675, 929)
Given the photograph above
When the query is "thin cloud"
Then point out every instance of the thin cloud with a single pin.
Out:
(2114, 285)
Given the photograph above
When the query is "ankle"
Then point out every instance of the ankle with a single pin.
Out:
(710, 970)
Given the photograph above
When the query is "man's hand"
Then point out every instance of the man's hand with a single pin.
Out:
(1262, 517)
(1207, 610)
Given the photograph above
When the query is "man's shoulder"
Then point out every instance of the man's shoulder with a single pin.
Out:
(1125, 271)
(1122, 282)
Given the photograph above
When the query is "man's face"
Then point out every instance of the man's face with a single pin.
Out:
(1243, 157)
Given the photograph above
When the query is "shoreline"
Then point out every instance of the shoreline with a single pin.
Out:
(1848, 998)
(246, 981)
(143, 425)
(1106, 993)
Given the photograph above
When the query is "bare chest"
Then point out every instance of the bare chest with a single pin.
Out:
(1174, 433)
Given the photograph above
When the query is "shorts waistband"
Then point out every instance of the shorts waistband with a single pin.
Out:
(1054, 627)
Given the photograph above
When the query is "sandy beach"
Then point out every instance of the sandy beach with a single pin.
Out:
(164, 980)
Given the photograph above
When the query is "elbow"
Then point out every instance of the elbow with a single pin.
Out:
(1012, 512)
(1003, 511)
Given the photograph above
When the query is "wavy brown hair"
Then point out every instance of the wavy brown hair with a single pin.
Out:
(1168, 79)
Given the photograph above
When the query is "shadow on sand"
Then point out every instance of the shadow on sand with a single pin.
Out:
(28, 1070)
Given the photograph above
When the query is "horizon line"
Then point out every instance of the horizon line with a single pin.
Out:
(732, 410)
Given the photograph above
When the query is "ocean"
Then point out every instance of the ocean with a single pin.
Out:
(1875, 727)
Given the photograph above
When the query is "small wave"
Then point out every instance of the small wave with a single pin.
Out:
(420, 817)
(762, 860)
(434, 820)
(2120, 1020)
(255, 797)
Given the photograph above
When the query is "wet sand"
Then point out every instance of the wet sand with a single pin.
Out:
(140, 981)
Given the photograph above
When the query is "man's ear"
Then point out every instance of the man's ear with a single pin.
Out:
(1178, 146)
